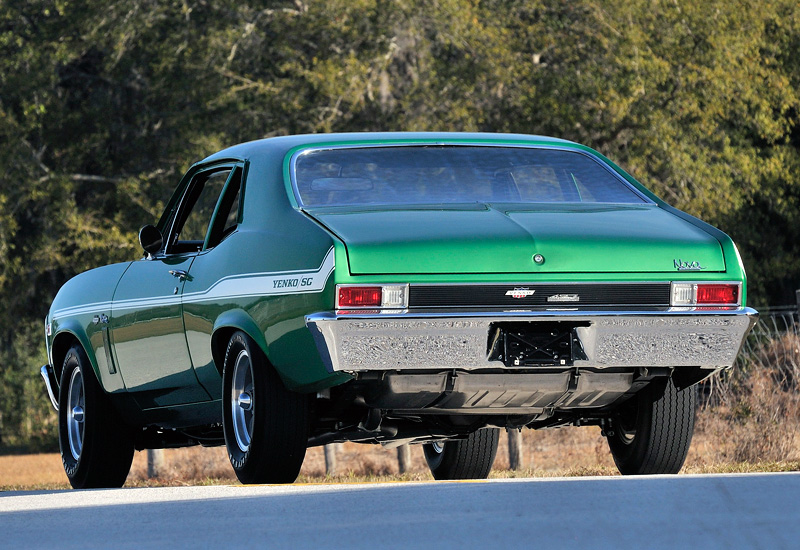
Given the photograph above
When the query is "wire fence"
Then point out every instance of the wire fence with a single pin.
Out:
(773, 323)
(754, 408)
(771, 350)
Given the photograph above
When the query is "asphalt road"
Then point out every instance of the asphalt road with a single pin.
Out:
(709, 511)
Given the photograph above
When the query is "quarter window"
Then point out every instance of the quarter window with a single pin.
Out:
(205, 213)
(228, 210)
(204, 198)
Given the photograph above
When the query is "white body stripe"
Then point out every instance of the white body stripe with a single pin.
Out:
(78, 310)
(235, 286)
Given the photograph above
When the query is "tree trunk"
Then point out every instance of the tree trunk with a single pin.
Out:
(155, 463)
(403, 458)
(330, 458)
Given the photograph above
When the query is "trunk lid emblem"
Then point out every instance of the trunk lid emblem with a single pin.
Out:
(680, 265)
(564, 298)
(520, 293)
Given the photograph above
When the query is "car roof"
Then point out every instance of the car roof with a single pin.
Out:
(284, 144)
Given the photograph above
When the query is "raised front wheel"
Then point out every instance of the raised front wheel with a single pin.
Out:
(652, 431)
(96, 444)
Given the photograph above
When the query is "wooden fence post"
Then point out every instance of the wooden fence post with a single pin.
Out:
(515, 457)
(155, 463)
(403, 458)
(330, 458)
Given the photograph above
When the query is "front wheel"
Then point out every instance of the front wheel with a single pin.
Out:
(469, 458)
(652, 431)
(96, 444)
(265, 424)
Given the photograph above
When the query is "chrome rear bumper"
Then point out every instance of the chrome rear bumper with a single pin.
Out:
(438, 340)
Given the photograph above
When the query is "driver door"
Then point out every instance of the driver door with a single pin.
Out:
(147, 324)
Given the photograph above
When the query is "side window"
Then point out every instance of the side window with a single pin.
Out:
(197, 210)
(226, 218)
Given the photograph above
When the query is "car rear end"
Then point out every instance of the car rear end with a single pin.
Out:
(509, 283)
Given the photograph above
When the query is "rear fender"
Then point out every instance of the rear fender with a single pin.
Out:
(224, 327)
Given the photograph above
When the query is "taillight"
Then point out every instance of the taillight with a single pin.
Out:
(717, 294)
(359, 296)
(383, 296)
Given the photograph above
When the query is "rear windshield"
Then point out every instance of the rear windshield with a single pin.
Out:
(455, 174)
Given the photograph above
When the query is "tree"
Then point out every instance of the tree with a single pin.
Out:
(104, 105)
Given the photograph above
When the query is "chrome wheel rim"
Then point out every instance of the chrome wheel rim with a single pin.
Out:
(76, 402)
(438, 447)
(242, 401)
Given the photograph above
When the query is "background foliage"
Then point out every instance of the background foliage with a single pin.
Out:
(103, 105)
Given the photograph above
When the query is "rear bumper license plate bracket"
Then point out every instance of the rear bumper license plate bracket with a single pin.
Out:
(534, 344)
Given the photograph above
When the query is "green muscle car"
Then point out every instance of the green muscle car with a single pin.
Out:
(396, 288)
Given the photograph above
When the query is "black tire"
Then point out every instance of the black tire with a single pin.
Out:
(267, 441)
(469, 458)
(96, 444)
(653, 430)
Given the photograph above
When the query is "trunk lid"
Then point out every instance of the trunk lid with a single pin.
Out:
(494, 239)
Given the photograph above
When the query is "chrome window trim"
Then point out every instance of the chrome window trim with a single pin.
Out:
(313, 149)
(210, 168)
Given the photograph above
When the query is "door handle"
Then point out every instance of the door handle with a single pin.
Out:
(179, 273)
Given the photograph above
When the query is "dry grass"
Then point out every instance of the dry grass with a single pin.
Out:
(563, 452)
(32, 471)
(753, 414)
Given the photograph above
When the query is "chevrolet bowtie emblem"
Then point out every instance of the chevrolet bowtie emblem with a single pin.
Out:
(520, 293)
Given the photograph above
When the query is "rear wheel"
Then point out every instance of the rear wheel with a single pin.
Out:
(469, 458)
(652, 431)
(96, 444)
(265, 425)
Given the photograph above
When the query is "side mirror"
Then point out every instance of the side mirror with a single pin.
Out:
(150, 238)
